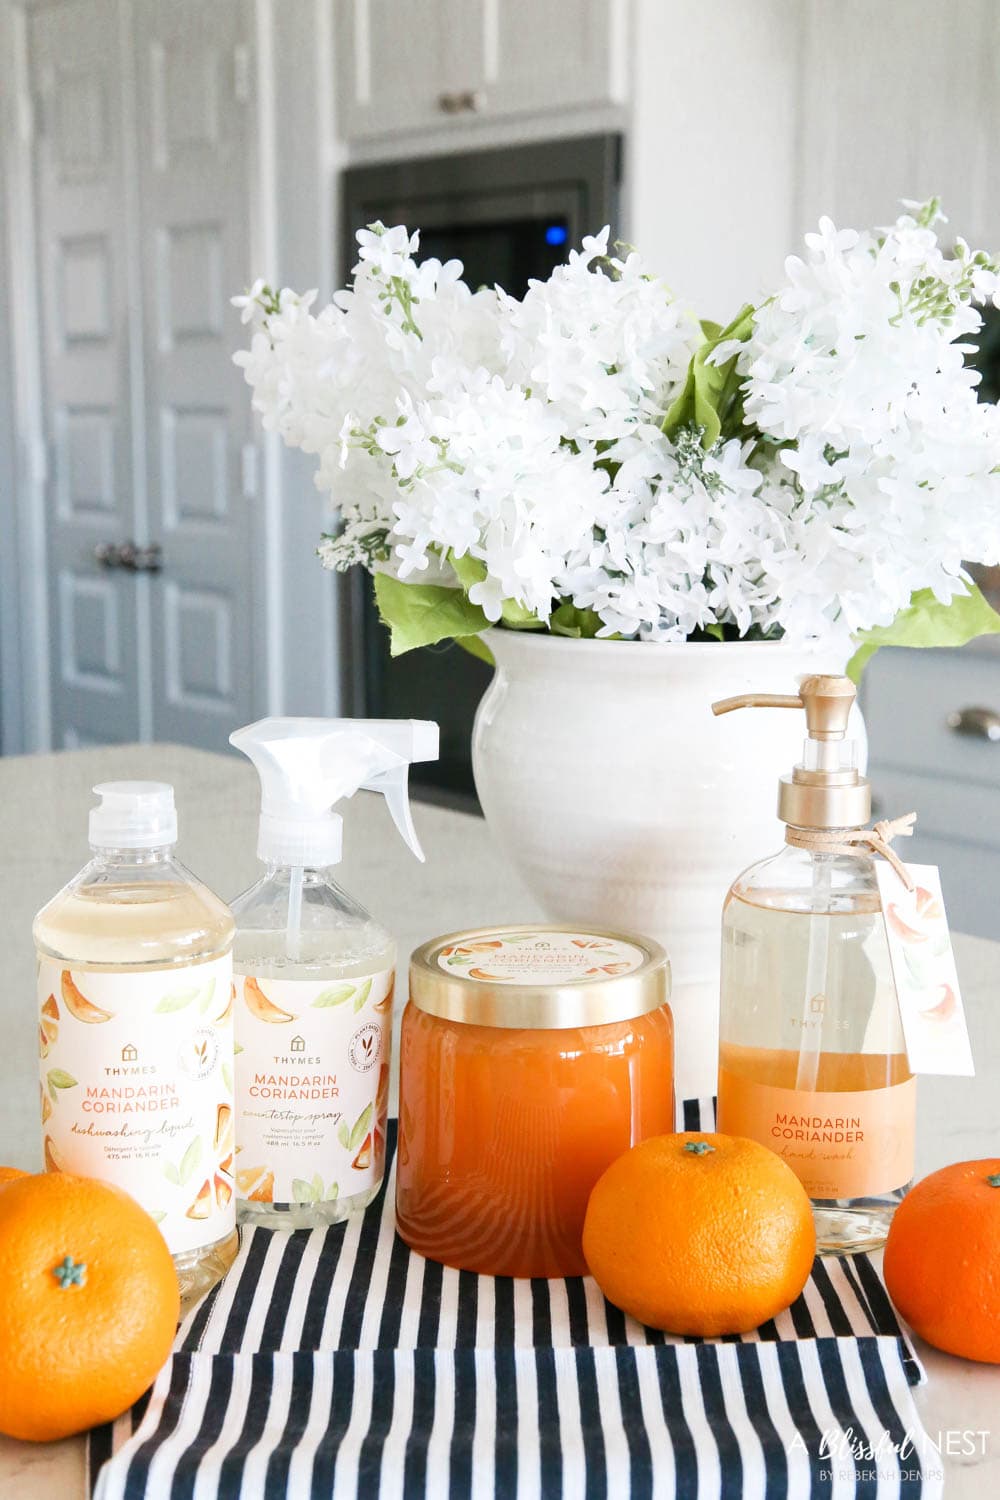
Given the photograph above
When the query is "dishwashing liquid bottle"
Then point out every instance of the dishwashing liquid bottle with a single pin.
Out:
(812, 1058)
(315, 974)
(135, 1030)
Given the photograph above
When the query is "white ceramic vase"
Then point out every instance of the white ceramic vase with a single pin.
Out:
(624, 802)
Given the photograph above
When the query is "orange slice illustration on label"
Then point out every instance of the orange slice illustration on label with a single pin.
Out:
(224, 1133)
(382, 1091)
(227, 1010)
(46, 1104)
(51, 1009)
(44, 1042)
(260, 1006)
(223, 1192)
(202, 1205)
(226, 1165)
(483, 974)
(78, 1005)
(944, 1004)
(386, 1001)
(363, 1160)
(915, 927)
(52, 1162)
(256, 1184)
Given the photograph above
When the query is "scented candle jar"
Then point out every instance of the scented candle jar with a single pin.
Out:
(530, 1059)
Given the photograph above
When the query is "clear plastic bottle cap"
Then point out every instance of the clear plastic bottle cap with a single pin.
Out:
(133, 815)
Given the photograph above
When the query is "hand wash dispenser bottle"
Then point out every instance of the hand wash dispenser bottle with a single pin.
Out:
(812, 1059)
(135, 1030)
(315, 973)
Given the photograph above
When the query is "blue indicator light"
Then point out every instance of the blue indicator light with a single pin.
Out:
(555, 235)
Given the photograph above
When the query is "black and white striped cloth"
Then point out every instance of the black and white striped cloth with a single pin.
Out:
(335, 1363)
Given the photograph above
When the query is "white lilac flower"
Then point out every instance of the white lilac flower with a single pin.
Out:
(520, 441)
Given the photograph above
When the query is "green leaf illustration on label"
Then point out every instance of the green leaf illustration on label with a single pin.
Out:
(190, 1160)
(334, 1192)
(157, 1215)
(176, 1000)
(335, 995)
(361, 1127)
(363, 992)
(344, 1134)
(303, 1192)
(58, 1078)
(317, 1188)
(918, 968)
(171, 1174)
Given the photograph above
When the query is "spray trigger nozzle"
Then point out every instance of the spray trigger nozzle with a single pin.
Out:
(307, 765)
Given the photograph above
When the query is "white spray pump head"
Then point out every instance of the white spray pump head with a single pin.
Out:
(307, 765)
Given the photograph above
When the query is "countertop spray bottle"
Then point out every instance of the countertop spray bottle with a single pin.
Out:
(136, 1030)
(314, 973)
(812, 1059)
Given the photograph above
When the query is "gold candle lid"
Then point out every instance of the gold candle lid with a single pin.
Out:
(536, 977)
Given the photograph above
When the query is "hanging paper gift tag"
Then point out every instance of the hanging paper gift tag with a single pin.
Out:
(923, 967)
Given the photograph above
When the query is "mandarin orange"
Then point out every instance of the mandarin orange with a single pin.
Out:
(699, 1234)
(942, 1259)
(89, 1303)
(10, 1174)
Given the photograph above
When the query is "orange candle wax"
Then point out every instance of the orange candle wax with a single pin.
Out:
(505, 1125)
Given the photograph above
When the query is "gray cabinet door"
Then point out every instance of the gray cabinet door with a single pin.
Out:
(84, 314)
(143, 194)
(195, 125)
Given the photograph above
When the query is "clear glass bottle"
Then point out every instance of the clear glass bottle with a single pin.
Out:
(340, 949)
(821, 1040)
(812, 1061)
(135, 1030)
(315, 974)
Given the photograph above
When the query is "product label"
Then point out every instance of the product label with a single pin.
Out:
(850, 1144)
(923, 967)
(137, 1089)
(540, 957)
(312, 1086)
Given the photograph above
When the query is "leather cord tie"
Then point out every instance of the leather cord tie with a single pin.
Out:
(848, 840)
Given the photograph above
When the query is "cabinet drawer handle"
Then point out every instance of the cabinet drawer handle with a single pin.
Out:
(980, 723)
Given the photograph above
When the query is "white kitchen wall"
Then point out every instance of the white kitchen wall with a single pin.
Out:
(713, 153)
(10, 717)
(901, 100)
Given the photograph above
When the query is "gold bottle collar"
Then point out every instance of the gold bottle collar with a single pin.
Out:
(539, 977)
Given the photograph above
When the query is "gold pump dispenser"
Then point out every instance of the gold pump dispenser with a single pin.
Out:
(826, 790)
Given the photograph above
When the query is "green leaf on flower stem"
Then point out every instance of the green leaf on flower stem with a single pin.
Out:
(928, 622)
(712, 398)
(566, 619)
(472, 570)
(476, 646)
(421, 614)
